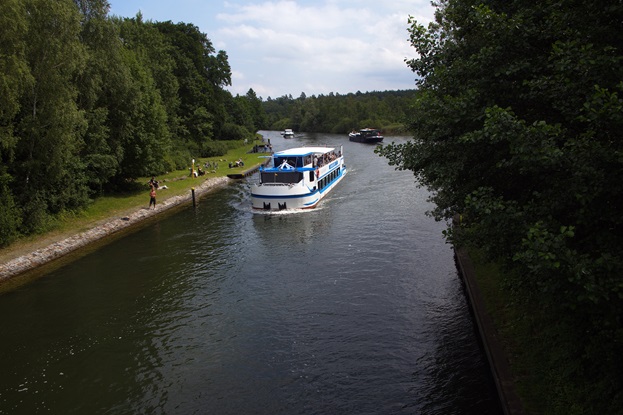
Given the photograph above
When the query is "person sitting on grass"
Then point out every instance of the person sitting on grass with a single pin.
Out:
(153, 182)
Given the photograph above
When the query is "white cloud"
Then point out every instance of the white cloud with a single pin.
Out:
(287, 47)
(336, 46)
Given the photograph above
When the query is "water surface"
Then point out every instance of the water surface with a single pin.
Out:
(351, 308)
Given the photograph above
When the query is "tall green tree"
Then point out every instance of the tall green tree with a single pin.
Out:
(46, 169)
(15, 78)
(257, 111)
(517, 126)
(93, 9)
(201, 75)
(141, 118)
(97, 85)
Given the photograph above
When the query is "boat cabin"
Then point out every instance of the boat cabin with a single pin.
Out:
(297, 178)
(289, 166)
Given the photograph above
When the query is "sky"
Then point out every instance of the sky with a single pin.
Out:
(286, 47)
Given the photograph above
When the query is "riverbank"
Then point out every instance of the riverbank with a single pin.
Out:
(494, 350)
(26, 257)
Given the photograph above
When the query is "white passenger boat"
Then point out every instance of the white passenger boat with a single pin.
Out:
(287, 133)
(298, 178)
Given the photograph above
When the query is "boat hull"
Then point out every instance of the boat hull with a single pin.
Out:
(366, 136)
(268, 197)
(276, 191)
(366, 140)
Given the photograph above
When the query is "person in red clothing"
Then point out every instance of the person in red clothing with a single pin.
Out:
(152, 197)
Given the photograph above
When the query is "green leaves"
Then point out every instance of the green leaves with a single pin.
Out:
(543, 250)
(88, 101)
(517, 127)
(337, 113)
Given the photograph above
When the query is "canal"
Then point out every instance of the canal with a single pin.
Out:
(351, 308)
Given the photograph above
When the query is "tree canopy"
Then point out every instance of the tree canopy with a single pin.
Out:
(89, 102)
(517, 128)
(338, 114)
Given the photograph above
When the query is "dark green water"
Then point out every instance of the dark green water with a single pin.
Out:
(351, 308)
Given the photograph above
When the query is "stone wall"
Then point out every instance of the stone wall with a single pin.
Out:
(58, 249)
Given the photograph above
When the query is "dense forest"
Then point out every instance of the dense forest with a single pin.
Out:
(89, 102)
(518, 125)
(339, 114)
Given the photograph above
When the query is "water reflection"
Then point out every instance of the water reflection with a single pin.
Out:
(351, 308)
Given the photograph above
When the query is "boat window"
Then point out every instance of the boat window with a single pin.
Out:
(291, 160)
(282, 177)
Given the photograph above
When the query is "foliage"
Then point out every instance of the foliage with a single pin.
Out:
(233, 131)
(214, 148)
(517, 126)
(337, 113)
(89, 102)
(10, 217)
(48, 126)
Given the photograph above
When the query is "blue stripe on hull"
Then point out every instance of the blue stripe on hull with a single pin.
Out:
(284, 196)
(322, 193)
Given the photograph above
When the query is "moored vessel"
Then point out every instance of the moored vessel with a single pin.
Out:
(366, 135)
(298, 178)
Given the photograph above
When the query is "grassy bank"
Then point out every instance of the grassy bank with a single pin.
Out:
(104, 207)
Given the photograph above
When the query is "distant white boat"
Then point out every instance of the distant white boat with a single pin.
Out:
(287, 133)
(298, 178)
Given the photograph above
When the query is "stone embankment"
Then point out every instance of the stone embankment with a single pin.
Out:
(30, 261)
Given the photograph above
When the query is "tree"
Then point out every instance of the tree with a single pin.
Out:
(89, 102)
(46, 169)
(517, 126)
(143, 128)
(97, 85)
(201, 75)
(257, 111)
(15, 78)
(93, 9)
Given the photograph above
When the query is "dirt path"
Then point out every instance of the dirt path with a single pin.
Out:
(26, 256)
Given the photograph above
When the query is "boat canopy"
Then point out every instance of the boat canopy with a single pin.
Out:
(298, 157)
(304, 151)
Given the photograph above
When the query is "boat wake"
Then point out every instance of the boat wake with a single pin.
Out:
(284, 212)
(242, 203)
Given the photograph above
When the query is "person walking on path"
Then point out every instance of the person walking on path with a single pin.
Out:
(152, 197)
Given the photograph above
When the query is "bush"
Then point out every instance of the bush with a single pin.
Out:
(10, 216)
(214, 149)
(232, 131)
(178, 159)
